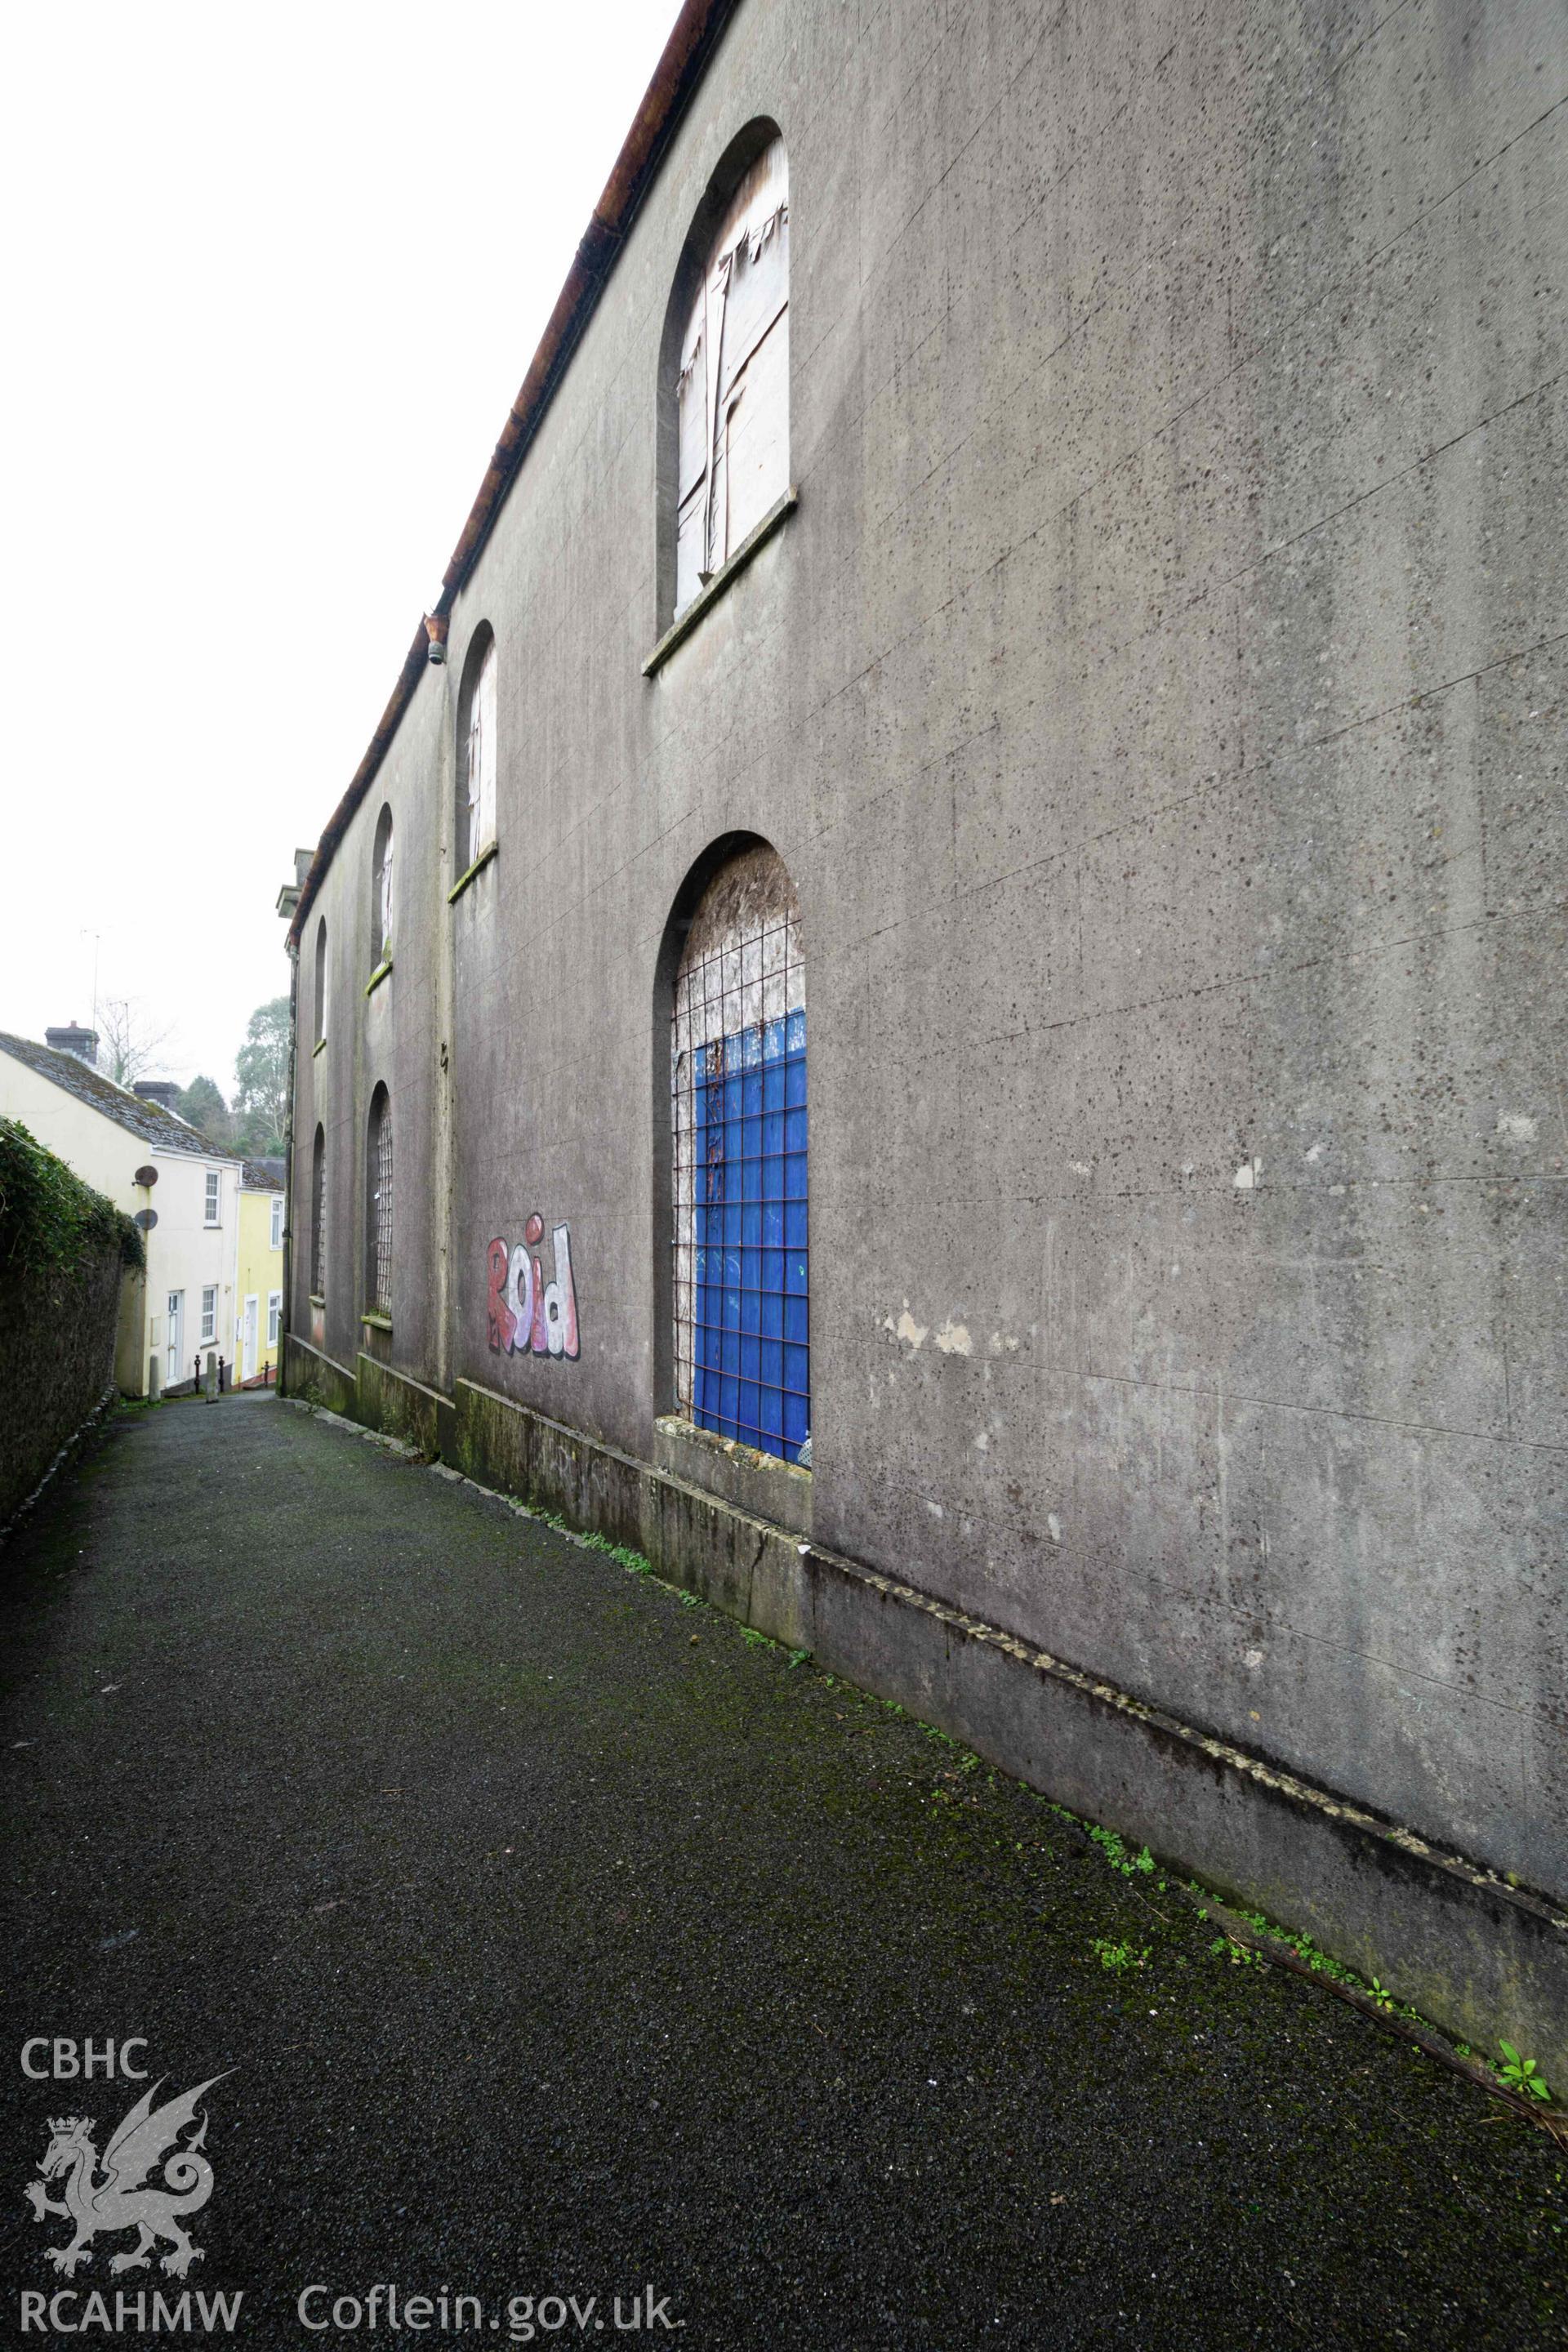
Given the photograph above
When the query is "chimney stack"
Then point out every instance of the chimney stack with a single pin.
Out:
(288, 897)
(82, 1042)
(162, 1091)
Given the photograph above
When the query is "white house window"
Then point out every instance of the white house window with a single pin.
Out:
(478, 810)
(274, 1316)
(275, 1240)
(733, 390)
(381, 891)
(209, 1313)
(214, 1197)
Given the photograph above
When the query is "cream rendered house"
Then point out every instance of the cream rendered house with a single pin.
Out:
(183, 1190)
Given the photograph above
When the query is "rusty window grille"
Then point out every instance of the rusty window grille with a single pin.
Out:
(319, 1216)
(378, 1222)
(743, 1342)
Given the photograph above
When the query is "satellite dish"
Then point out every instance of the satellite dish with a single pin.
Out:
(146, 1219)
(146, 1176)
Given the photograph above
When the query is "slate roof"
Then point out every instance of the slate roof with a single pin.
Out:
(258, 1176)
(147, 1119)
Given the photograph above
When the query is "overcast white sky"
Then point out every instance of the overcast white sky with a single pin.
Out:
(274, 276)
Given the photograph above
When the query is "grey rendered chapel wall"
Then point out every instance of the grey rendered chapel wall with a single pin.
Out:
(1156, 697)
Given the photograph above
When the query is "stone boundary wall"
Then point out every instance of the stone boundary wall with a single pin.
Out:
(1482, 1958)
(57, 1363)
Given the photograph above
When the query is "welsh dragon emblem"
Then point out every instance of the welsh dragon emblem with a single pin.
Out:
(121, 2198)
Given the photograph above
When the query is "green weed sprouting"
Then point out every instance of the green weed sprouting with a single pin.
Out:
(1114, 1848)
(1517, 2073)
(1117, 1957)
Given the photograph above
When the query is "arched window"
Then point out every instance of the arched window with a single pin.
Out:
(738, 1133)
(477, 764)
(732, 365)
(318, 1215)
(381, 891)
(378, 1207)
(321, 980)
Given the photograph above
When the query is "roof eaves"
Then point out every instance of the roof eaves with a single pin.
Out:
(676, 75)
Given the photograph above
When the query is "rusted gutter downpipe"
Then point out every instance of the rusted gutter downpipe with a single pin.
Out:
(675, 79)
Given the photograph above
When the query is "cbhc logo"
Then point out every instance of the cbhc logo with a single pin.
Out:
(68, 2061)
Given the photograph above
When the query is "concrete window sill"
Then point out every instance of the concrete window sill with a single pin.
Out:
(682, 627)
(319, 1047)
(480, 862)
(378, 975)
(376, 1322)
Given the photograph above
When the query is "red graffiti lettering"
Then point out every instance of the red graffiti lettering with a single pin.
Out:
(499, 1322)
(524, 1314)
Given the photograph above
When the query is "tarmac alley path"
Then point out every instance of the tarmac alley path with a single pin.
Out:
(557, 1943)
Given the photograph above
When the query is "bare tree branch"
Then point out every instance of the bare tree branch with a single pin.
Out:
(128, 1044)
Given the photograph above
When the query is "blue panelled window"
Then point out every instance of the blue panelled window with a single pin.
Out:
(742, 1329)
(752, 1337)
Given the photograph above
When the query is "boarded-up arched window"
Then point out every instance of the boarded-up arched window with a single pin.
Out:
(743, 1336)
(733, 387)
(381, 891)
(378, 1206)
(321, 980)
(319, 1214)
(477, 767)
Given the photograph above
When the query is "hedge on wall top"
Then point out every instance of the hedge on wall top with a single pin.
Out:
(50, 1220)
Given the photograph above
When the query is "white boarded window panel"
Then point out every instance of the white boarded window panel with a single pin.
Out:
(481, 761)
(733, 397)
(380, 890)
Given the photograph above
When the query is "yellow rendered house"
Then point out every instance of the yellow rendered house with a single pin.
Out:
(258, 1283)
